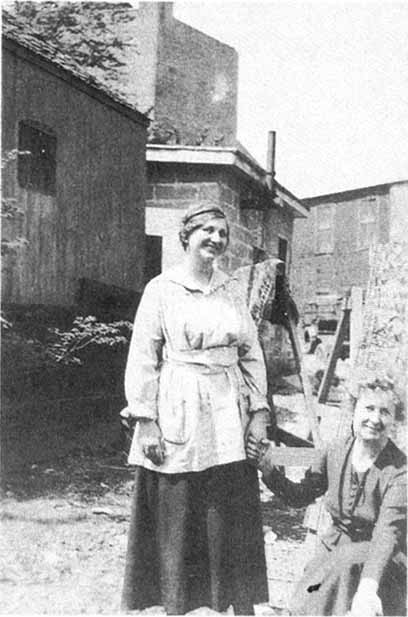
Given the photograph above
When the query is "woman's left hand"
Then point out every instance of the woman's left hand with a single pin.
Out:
(257, 425)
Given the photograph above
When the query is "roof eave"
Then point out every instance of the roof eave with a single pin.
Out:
(216, 155)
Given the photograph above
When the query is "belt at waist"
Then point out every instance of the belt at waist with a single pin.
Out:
(211, 360)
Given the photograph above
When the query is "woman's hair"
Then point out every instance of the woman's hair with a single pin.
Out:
(197, 216)
(378, 381)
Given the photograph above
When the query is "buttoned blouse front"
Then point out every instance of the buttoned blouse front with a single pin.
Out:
(195, 366)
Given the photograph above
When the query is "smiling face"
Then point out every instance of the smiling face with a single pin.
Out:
(374, 415)
(208, 241)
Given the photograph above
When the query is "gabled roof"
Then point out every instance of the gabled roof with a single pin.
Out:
(352, 194)
(21, 38)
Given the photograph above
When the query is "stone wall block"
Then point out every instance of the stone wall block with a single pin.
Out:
(228, 196)
(164, 191)
(188, 191)
(209, 191)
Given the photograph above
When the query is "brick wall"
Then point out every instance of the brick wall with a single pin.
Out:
(187, 80)
(172, 192)
(196, 88)
(399, 212)
(314, 276)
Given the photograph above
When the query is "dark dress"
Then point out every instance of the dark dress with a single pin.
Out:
(196, 540)
(367, 536)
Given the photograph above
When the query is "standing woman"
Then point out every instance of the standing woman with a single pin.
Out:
(195, 384)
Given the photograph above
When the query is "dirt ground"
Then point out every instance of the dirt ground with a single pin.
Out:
(64, 528)
(64, 532)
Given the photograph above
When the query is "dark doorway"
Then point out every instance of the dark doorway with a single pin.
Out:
(153, 257)
(283, 255)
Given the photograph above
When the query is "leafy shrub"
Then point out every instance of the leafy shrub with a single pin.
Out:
(85, 333)
(27, 345)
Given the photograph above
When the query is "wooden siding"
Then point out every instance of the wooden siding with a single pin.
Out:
(94, 226)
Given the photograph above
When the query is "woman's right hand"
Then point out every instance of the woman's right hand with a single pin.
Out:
(151, 441)
(255, 449)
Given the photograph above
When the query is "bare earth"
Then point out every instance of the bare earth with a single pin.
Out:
(64, 528)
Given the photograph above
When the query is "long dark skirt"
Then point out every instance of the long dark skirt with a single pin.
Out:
(331, 579)
(195, 539)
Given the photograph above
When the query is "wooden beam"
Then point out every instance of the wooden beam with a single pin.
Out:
(307, 388)
(291, 440)
(293, 457)
(340, 337)
(356, 322)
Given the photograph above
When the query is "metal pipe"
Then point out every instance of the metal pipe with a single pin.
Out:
(270, 159)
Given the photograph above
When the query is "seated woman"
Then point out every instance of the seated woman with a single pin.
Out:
(359, 567)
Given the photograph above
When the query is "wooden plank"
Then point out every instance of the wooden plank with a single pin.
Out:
(291, 440)
(307, 388)
(340, 337)
(293, 457)
(356, 322)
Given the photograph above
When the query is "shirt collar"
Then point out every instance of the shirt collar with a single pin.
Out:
(177, 274)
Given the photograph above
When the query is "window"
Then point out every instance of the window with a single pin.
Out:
(36, 167)
(367, 223)
(324, 228)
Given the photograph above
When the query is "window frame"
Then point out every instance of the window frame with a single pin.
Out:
(374, 206)
(37, 158)
(328, 228)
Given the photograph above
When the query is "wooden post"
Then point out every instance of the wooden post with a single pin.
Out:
(356, 323)
(339, 339)
(307, 388)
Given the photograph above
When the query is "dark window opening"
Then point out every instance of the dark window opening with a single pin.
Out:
(153, 257)
(36, 169)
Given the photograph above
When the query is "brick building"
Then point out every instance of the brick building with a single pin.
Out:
(331, 247)
(178, 176)
(185, 80)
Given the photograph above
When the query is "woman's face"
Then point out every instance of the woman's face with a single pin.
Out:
(209, 241)
(374, 415)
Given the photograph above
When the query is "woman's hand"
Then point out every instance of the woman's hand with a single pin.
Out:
(254, 449)
(258, 424)
(366, 601)
(151, 441)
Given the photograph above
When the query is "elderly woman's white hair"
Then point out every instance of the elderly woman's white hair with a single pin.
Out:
(366, 379)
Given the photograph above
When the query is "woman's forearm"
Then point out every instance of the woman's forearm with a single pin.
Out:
(296, 494)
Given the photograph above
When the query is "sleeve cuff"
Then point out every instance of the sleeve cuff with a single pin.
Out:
(258, 404)
(139, 411)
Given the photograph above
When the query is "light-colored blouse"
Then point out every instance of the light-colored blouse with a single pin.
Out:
(195, 365)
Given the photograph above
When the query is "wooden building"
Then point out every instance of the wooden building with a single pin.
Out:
(73, 177)
(331, 247)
